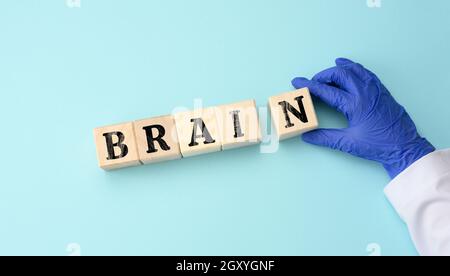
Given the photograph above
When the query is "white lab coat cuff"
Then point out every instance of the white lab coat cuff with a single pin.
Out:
(417, 179)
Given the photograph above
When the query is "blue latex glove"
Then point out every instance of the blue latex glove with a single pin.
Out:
(379, 128)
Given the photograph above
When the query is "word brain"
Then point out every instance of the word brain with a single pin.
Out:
(201, 131)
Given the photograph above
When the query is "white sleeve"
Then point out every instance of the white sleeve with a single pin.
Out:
(421, 196)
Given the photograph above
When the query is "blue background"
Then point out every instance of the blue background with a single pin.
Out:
(65, 71)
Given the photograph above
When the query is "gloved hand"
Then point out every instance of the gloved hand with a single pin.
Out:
(379, 128)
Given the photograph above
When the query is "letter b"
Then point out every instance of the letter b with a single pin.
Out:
(110, 145)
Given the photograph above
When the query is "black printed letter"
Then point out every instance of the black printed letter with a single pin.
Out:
(151, 140)
(301, 115)
(198, 123)
(237, 124)
(110, 145)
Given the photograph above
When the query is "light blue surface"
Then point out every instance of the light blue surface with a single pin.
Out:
(64, 71)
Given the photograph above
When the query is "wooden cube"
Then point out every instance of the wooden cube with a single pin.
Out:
(116, 146)
(238, 124)
(198, 132)
(157, 139)
(293, 113)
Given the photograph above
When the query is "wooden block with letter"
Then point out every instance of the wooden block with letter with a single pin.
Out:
(198, 132)
(238, 124)
(293, 113)
(157, 139)
(116, 146)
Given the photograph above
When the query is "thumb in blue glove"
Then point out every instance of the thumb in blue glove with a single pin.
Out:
(379, 128)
